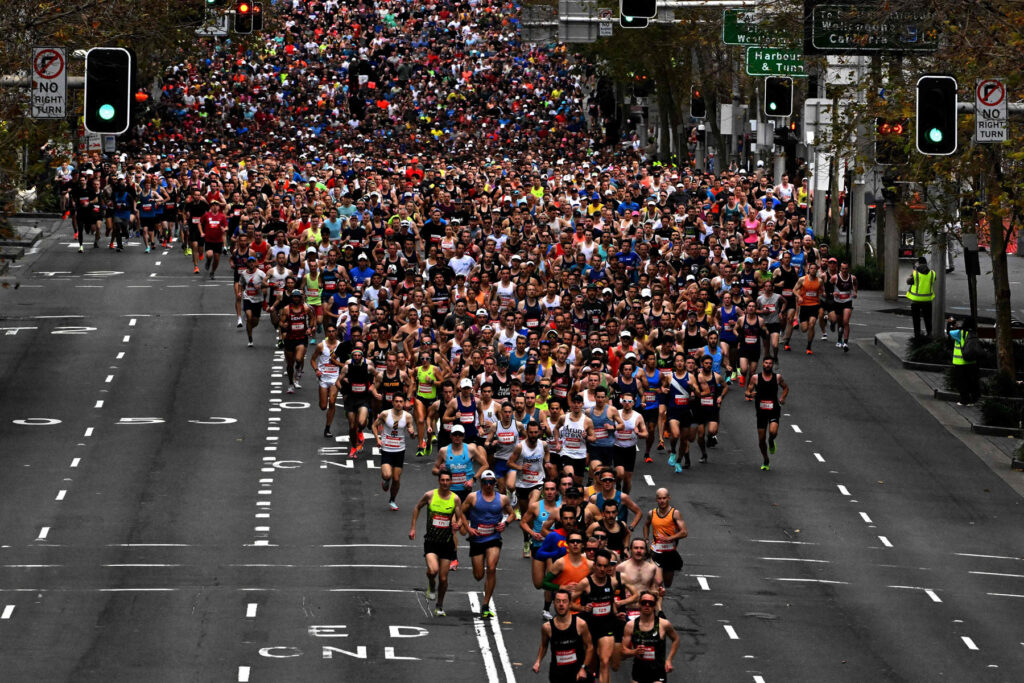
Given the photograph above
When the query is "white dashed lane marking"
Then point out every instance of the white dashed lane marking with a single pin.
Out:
(1010, 576)
(127, 338)
(818, 457)
(88, 432)
(885, 541)
(969, 643)
(243, 674)
(843, 490)
(8, 612)
(731, 632)
(932, 594)
(797, 429)
(250, 610)
(99, 404)
(43, 533)
(61, 494)
(864, 516)
(131, 323)
(703, 581)
(75, 461)
(649, 479)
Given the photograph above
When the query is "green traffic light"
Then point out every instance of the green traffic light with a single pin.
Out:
(773, 106)
(935, 135)
(106, 112)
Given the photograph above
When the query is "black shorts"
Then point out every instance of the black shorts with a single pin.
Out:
(193, 234)
(294, 344)
(808, 312)
(353, 403)
(600, 627)
(843, 306)
(669, 562)
(765, 417)
(680, 414)
(751, 352)
(149, 221)
(444, 551)
(773, 328)
(523, 492)
(625, 457)
(650, 415)
(463, 494)
(603, 454)
(708, 414)
(563, 461)
(481, 548)
(648, 673)
(395, 459)
(215, 247)
(255, 306)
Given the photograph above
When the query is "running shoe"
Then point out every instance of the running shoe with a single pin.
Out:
(438, 612)
(238, 323)
(312, 341)
(515, 499)
(679, 469)
(771, 446)
(188, 251)
(713, 440)
(765, 467)
(393, 506)
(743, 381)
(280, 343)
(249, 345)
(200, 255)
(328, 434)
(81, 249)
(846, 347)
(810, 353)
(648, 459)
(839, 344)
(547, 614)
(487, 614)
(704, 458)
(786, 348)
(147, 248)
(360, 438)
(526, 549)
(291, 388)
(110, 246)
(672, 459)
(453, 566)
(431, 595)
(824, 337)
(196, 270)
(296, 383)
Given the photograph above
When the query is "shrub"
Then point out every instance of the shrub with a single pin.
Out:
(999, 413)
(935, 351)
(1001, 385)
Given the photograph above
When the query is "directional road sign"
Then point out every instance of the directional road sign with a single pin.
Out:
(990, 124)
(775, 61)
(868, 27)
(49, 83)
(747, 27)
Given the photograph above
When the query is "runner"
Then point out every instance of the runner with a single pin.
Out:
(664, 526)
(712, 391)
(844, 292)
(605, 419)
(682, 386)
(532, 522)
(770, 306)
(531, 459)
(751, 332)
(502, 443)
(427, 379)
(641, 573)
(297, 320)
(356, 378)
(632, 430)
(764, 390)
(326, 366)
(595, 597)
(488, 513)
(390, 429)
(572, 649)
(653, 406)
(250, 286)
(807, 291)
(444, 517)
(644, 640)
(574, 430)
(214, 227)
(784, 279)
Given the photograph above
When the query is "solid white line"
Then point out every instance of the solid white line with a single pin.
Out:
(481, 638)
(885, 541)
(499, 641)
(120, 355)
(8, 611)
(148, 545)
(61, 494)
(703, 583)
(990, 557)
(131, 323)
(1011, 576)
(43, 533)
(731, 632)
(818, 457)
(99, 404)
(865, 517)
(75, 461)
(840, 583)
(109, 379)
(139, 564)
(1005, 595)
(370, 545)
(88, 431)
(969, 643)
(795, 559)
(765, 540)
(843, 490)
(126, 339)
(797, 429)
(243, 674)
(932, 594)
(250, 610)
(368, 566)
(649, 479)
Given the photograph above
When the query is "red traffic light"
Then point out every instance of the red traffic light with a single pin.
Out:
(141, 96)
(891, 128)
(243, 8)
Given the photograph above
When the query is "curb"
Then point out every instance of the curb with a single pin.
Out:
(28, 239)
(37, 215)
(944, 395)
(991, 430)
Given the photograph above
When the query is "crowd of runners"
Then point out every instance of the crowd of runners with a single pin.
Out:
(433, 221)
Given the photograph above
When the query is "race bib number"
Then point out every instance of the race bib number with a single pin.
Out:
(601, 609)
(787, 292)
(601, 432)
(648, 397)
(391, 442)
(565, 657)
(358, 388)
(532, 323)
(458, 478)
(506, 438)
(766, 405)
(750, 339)
(425, 388)
(682, 400)
(486, 529)
(707, 401)
(467, 418)
(441, 521)
(298, 327)
(646, 653)
(662, 547)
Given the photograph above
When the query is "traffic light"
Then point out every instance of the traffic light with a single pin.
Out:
(638, 9)
(642, 86)
(891, 141)
(626, 21)
(778, 96)
(257, 17)
(698, 109)
(109, 73)
(936, 115)
(243, 17)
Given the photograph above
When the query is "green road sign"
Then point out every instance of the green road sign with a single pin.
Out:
(869, 28)
(746, 27)
(775, 61)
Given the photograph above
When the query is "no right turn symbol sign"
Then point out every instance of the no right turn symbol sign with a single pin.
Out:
(990, 124)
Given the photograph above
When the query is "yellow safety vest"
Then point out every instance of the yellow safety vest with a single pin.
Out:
(923, 287)
(958, 349)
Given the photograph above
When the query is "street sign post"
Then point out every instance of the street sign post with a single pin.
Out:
(747, 27)
(990, 123)
(867, 28)
(49, 83)
(216, 28)
(605, 27)
(775, 61)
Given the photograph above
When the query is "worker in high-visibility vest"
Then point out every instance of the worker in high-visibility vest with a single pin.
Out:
(921, 295)
(965, 368)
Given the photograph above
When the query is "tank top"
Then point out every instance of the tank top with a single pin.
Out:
(467, 415)
(602, 427)
(506, 296)
(693, 343)
(630, 387)
(785, 281)
(716, 389)
(810, 292)
(560, 382)
(751, 334)
(460, 465)
(485, 516)
(324, 363)
(622, 514)
(531, 315)
(650, 397)
(359, 379)
(425, 387)
(573, 437)
(727, 334)
(651, 650)
(296, 329)
(531, 459)
(490, 413)
(391, 386)
(767, 392)
(439, 518)
(663, 526)
(392, 437)
(441, 300)
(506, 439)
(716, 357)
(330, 276)
(679, 391)
(567, 650)
(601, 598)
(312, 285)
(542, 516)
(573, 573)
(843, 291)
(626, 437)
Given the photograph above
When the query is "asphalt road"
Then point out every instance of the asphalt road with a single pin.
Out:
(167, 513)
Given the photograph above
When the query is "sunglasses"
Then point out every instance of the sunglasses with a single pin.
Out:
(575, 540)
(608, 479)
(647, 603)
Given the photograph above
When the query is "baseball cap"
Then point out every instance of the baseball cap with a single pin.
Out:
(296, 292)
(646, 292)
(466, 383)
(482, 311)
(486, 474)
(458, 429)
(625, 333)
(748, 260)
(573, 492)
(351, 300)
(596, 351)
(607, 290)
(251, 258)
